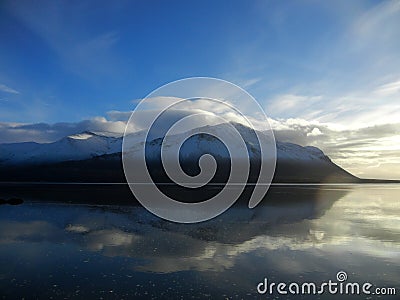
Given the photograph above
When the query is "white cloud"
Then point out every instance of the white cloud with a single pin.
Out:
(116, 115)
(378, 22)
(315, 132)
(369, 151)
(375, 106)
(247, 83)
(388, 89)
(7, 89)
(288, 105)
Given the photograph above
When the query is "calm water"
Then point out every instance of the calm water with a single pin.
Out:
(52, 249)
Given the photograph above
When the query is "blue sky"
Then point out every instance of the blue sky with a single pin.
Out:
(76, 59)
(333, 66)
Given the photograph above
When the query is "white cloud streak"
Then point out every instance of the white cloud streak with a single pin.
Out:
(388, 89)
(7, 89)
(355, 110)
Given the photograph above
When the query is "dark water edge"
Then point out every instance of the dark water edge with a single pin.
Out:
(107, 246)
(120, 194)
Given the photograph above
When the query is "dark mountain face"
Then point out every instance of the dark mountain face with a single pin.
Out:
(108, 168)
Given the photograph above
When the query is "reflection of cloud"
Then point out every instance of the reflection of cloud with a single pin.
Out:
(215, 246)
(169, 247)
(100, 239)
(207, 257)
(363, 223)
(12, 231)
(77, 228)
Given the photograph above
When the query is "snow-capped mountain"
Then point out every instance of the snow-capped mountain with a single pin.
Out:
(92, 157)
(88, 145)
(75, 147)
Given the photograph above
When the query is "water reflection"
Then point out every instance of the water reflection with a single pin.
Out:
(298, 232)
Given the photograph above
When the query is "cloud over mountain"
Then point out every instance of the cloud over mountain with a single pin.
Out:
(353, 148)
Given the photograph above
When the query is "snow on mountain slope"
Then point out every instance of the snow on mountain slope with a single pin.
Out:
(88, 145)
(290, 151)
(74, 147)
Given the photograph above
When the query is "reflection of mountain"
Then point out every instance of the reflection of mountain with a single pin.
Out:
(282, 205)
(128, 231)
(298, 233)
(89, 157)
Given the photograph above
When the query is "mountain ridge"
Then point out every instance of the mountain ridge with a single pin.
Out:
(91, 157)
